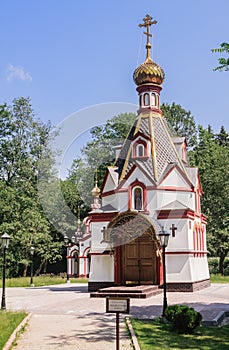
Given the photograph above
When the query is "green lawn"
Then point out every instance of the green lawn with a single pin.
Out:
(41, 281)
(158, 336)
(50, 280)
(8, 323)
(219, 279)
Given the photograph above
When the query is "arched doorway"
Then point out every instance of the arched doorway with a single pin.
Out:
(134, 241)
(76, 264)
(139, 263)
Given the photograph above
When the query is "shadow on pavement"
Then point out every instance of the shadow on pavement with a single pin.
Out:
(100, 329)
(61, 288)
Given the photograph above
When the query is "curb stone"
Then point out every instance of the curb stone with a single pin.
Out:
(15, 332)
(133, 335)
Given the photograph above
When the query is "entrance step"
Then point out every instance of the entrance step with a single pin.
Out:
(140, 292)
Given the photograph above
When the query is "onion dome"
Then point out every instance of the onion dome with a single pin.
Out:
(95, 191)
(148, 73)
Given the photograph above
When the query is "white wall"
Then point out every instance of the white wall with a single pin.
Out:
(102, 268)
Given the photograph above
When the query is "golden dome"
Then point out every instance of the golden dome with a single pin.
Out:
(96, 191)
(148, 73)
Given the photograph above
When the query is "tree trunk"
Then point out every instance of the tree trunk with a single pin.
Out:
(221, 261)
(38, 271)
(25, 270)
(45, 266)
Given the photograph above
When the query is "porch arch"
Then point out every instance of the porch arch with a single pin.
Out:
(136, 247)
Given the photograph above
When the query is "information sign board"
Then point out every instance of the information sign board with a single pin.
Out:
(118, 305)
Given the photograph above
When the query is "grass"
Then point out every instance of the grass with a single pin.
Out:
(47, 280)
(8, 323)
(50, 280)
(158, 336)
(41, 281)
(219, 279)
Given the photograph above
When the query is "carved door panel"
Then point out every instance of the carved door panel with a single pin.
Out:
(139, 265)
(148, 263)
(131, 263)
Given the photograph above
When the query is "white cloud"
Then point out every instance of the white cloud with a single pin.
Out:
(17, 72)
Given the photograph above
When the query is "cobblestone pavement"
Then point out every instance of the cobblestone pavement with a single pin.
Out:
(65, 317)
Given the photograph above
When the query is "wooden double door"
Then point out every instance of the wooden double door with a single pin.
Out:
(139, 261)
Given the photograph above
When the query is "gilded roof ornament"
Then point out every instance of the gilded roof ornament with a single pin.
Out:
(148, 72)
(96, 191)
(147, 23)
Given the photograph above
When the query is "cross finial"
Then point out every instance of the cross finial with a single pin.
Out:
(147, 23)
(78, 216)
(96, 177)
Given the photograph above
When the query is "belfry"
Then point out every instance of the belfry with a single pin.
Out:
(149, 188)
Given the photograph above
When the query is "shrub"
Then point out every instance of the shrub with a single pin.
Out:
(213, 264)
(183, 318)
(171, 311)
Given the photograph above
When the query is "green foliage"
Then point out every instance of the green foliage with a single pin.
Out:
(183, 318)
(213, 264)
(181, 122)
(211, 156)
(42, 280)
(223, 62)
(98, 154)
(8, 323)
(157, 336)
(23, 143)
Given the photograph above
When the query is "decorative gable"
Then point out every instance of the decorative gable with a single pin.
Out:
(174, 178)
(111, 180)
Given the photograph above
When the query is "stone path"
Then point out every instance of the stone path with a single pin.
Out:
(65, 317)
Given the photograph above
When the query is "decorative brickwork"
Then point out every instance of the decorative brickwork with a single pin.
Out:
(188, 287)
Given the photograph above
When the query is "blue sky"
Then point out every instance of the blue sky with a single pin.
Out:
(70, 54)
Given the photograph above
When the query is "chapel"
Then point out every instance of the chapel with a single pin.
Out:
(149, 189)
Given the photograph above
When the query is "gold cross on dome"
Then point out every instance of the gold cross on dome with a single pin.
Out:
(96, 176)
(147, 23)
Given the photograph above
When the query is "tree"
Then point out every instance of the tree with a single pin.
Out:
(211, 155)
(181, 122)
(222, 138)
(23, 141)
(98, 154)
(223, 62)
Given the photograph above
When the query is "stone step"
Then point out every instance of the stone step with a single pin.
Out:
(140, 292)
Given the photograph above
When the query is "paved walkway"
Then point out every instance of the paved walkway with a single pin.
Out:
(65, 317)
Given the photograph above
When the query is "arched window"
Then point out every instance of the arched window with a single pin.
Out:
(140, 100)
(88, 263)
(76, 264)
(138, 198)
(146, 99)
(153, 99)
(140, 149)
(140, 152)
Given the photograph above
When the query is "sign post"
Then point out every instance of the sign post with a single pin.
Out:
(117, 305)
